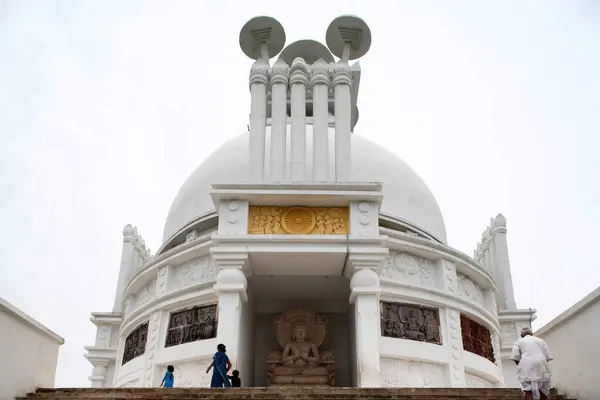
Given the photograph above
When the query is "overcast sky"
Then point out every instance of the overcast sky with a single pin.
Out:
(107, 106)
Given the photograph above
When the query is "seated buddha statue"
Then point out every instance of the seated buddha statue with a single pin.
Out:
(300, 362)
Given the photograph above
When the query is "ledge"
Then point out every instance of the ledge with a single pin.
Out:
(517, 315)
(107, 318)
(328, 194)
(29, 321)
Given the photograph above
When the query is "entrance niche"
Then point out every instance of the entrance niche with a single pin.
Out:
(300, 319)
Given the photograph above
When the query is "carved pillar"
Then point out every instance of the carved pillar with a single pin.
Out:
(279, 84)
(455, 348)
(299, 73)
(365, 291)
(162, 279)
(449, 279)
(150, 376)
(231, 291)
(342, 108)
(320, 85)
(259, 78)
(503, 264)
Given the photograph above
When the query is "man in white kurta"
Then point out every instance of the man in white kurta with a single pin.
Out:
(531, 354)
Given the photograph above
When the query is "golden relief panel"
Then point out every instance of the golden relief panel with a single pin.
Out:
(275, 220)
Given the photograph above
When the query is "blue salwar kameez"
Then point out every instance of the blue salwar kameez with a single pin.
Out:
(219, 376)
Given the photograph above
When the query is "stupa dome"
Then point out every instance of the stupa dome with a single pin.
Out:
(406, 197)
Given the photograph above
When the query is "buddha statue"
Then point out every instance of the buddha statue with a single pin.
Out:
(300, 362)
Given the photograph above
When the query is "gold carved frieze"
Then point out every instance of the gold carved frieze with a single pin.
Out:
(275, 220)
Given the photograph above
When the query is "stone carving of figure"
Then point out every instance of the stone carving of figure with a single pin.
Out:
(413, 325)
(258, 224)
(302, 353)
(300, 362)
(431, 329)
(277, 230)
(320, 225)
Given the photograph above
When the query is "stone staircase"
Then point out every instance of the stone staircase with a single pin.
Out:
(281, 393)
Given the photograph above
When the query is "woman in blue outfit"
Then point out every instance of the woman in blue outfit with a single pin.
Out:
(221, 365)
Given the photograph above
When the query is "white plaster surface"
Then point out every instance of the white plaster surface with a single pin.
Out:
(406, 195)
(573, 341)
(474, 381)
(28, 352)
(407, 373)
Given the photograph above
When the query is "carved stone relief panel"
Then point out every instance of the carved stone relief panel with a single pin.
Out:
(403, 373)
(272, 220)
(476, 338)
(129, 304)
(473, 381)
(194, 272)
(469, 290)
(408, 321)
(192, 374)
(135, 344)
(130, 384)
(191, 236)
(508, 334)
(103, 335)
(198, 323)
(146, 294)
(405, 267)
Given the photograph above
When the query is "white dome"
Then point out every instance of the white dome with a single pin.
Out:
(405, 195)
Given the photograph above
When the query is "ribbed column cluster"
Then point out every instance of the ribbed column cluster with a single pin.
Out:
(329, 84)
(259, 79)
(299, 81)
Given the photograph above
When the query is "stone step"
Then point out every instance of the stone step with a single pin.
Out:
(280, 393)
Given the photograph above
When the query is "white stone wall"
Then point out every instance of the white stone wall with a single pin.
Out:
(28, 356)
(573, 344)
(454, 286)
(185, 280)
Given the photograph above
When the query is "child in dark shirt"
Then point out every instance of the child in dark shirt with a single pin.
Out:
(169, 378)
(235, 379)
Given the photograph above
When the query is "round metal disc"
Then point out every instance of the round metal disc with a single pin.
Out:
(348, 27)
(259, 30)
(309, 50)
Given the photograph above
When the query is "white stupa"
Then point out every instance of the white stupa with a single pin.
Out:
(315, 255)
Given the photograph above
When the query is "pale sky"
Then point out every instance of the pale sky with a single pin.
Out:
(106, 107)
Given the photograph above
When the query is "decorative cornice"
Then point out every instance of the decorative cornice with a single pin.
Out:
(102, 318)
